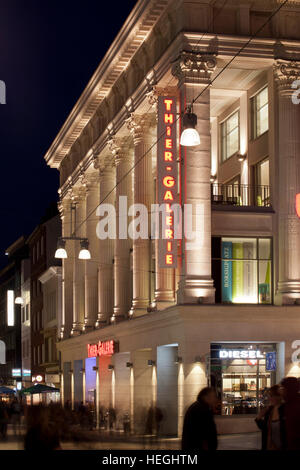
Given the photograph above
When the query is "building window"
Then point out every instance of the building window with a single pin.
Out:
(230, 136)
(242, 270)
(241, 373)
(262, 182)
(260, 113)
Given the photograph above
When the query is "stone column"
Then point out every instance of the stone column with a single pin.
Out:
(91, 266)
(288, 186)
(123, 154)
(67, 272)
(140, 126)
(107, 175)
(193, 72)
(78, 265)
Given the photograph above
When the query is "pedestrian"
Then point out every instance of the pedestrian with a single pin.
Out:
(126, 423)
(291, 412)
(3, 419)
(41, 435)
(15, 412)
(199, 429)
(270, 421)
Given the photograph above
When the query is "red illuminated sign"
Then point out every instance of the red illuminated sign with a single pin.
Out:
(298, 204)
(103, 348)
(167, 176)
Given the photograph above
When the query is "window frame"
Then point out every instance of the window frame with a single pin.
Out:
(257, 259)
(222, 146)
(254, 112)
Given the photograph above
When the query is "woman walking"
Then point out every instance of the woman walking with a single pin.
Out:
(270, 421)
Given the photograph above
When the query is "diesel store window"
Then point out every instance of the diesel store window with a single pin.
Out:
(241, 373)
(242, 270)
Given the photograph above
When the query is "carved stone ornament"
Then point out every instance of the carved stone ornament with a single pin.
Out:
(194, 66)
(286, 72)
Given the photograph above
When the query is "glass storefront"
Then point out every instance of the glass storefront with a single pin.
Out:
(242, 270)
(241, 373)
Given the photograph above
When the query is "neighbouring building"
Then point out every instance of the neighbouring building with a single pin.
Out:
(10, 314)
(25, 323)
(132, 332)
(43, 306)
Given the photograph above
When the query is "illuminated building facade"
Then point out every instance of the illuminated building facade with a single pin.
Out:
(226, 310)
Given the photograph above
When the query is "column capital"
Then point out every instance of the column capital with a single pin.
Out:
(79, 193)
(286, 72)
(194, 67)
(64, 206)
(139, 125)
(106, 167)
(120, 149)
(91, 180)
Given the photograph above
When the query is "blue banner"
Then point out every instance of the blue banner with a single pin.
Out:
(271, 361)
(226, 272)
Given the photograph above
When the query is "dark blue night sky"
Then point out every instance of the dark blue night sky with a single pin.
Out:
(48, 52)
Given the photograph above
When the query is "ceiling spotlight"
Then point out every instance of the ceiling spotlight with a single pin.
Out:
(61, 250)
(19, 301)
(198, 359)
(178, 360)
(213, 178)
(129, 364)
(151, 363)
(189, 136)
(110, 367)
(84, 250)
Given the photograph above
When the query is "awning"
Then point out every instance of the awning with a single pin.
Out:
(6, 391)
(39, 388)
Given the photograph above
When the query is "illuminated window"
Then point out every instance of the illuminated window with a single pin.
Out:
(242, 270)
(230, 136)
(260, 113)
(262, 183)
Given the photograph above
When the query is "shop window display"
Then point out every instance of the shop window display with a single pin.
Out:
(241, 375)
(245, 267)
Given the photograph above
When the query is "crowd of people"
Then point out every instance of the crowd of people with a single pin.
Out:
(46, 426)
(279, 420)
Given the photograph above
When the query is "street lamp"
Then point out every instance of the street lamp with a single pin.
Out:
(190, 136)
(61, 252)
(84, 250)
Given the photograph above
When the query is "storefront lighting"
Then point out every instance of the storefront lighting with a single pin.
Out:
(198, 359)
(241, 158)
(178, 360)
(190, 136)
(129, 364)
(110, 367)
(61, 252)
(95, 368)
(151, 363)
(82, 371)
(84, 250)
(213, 178)
(19, 301)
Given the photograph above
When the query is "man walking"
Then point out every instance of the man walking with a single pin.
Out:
(199, 429)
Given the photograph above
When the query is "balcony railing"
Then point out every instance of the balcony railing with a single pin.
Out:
(240, 195)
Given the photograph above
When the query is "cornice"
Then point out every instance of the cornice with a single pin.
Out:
(135, 31)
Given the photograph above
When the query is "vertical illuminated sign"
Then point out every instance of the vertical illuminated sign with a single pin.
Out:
(10, 308)
(167, 176)
(298, 204)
